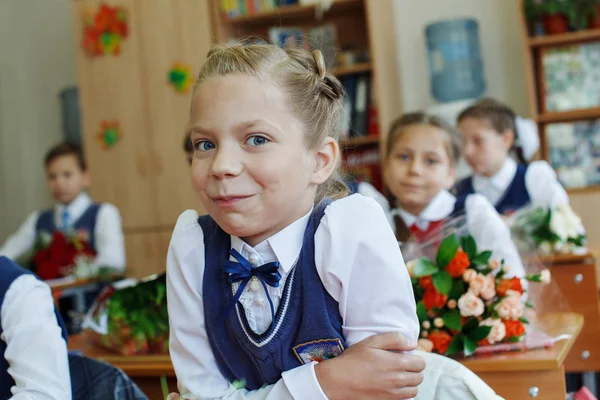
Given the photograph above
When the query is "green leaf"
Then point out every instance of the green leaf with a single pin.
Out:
(482, 258)
(442, 281)
(424, 267)
(421, 312)
(452, 320)
(524, 320)
(529, 304)
(480, 333)
(458, 289)
(469, 346)
(469, 246)
(456, 345)
(470, 324)
(514, 339)
(447, 250)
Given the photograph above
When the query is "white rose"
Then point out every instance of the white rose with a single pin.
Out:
(545, 248)
(561, 247)
(558, 224)
(410, 266)
(498, 329)
(470, 305)
(425, 345)
(545, 276)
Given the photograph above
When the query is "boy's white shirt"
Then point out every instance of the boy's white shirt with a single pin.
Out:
(540, 180)
(360, 266)
(110, 244)
(483, 223)
(35, 350)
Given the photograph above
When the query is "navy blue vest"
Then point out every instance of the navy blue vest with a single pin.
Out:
(86, 222)
(307, 325)
(9, 271)
(515, 197)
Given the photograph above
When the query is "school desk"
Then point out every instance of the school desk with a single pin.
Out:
(517, 375)
(575, 276)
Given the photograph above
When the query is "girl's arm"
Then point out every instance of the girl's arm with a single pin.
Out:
(197, 372)
(491, 233)
(110, 243)
(360, 265)
(543, 187)
(35, 349)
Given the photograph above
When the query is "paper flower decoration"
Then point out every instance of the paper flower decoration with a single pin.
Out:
(110, 134)
(180, 76)
(104, 30)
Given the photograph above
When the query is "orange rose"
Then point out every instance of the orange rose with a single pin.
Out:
(509, 284)
(441, 340)
(433, 299)
(426, 282)
(513, 328)
(458, 265)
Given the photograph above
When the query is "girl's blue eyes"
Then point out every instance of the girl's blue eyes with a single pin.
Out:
(253, 141)
(203, 145)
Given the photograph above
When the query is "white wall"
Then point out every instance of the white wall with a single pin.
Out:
(500, 38)
(36, 61)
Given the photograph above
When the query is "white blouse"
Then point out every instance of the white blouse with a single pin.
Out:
(540, 180)
(360, 266)
(483, 223)
(35, 349)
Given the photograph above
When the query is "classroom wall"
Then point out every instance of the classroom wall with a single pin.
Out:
(500, 45)
(36, 62)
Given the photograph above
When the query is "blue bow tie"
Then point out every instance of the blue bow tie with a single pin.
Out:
(242, 272)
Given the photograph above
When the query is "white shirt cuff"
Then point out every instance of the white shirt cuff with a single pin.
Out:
(302, 383)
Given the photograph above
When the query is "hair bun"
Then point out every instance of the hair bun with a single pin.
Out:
(320, 62)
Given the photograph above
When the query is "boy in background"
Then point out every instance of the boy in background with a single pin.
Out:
(68, 179)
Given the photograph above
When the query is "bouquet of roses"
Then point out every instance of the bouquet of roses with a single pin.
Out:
(552, 230)
(60, 254)
(130, 317)
(464, 299)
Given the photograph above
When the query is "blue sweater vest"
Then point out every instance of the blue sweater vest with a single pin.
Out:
(515, 197)
(307, 325)
(86, 222)
(9, 272)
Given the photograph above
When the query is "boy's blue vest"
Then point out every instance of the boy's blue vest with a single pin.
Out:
(515, 197)
(307, 325)
(86, 222)
(9, 272)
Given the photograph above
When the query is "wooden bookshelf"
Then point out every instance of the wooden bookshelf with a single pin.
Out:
(565, 38)
(290, 12)
(534, 49)
(352, 69)
(568, 116)
(360, 24)
(359, 141)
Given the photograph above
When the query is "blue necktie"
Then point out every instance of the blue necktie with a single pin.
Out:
(242, 272)
(65, 220)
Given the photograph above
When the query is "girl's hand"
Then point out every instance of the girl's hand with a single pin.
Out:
(373, 369)
(173, 396)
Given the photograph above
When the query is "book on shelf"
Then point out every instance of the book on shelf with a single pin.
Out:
(322, 37)
(358, 106)
(238, 8)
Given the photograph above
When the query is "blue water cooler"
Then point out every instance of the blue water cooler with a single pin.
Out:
(455, 62)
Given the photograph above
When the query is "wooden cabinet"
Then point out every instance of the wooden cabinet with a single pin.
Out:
(576, 278)
(145, 174)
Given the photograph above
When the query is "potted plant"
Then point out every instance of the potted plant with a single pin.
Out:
(581, 13)
(533, 15)
(595, 19)
(554, 16)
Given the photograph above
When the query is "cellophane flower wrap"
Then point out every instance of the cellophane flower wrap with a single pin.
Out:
(130, 317)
